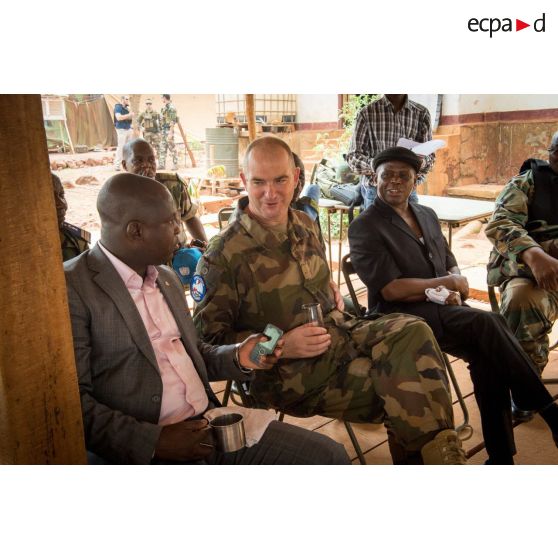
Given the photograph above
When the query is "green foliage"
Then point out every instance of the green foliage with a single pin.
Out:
(334, 219)
(349, 113)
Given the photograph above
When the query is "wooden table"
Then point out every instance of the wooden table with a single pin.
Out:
(452, 211)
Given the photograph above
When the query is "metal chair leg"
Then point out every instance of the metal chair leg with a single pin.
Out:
(227, 393)
(460, 398)
(355, 443)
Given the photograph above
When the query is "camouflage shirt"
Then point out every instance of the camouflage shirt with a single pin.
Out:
(150, 121)
(179, 190)
(168, 116)
(71, 242)
(255, 276)
(511, 232)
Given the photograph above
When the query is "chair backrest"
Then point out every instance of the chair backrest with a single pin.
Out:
(348, 270)
(223, 216)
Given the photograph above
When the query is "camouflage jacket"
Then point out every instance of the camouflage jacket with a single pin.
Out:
(168, 116)
(72, 242)
(179, 190)
(511, 232)
(254, 276)
(150, 121)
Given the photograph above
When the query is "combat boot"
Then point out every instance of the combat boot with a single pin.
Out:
(444, 449)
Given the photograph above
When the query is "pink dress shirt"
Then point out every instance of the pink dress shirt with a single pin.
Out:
(183, 391)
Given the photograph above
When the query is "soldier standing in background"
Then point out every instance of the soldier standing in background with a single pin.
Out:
(73, 240)
(168, 120)
(150, 124)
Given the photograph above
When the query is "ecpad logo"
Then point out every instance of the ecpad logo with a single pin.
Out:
(494, 24)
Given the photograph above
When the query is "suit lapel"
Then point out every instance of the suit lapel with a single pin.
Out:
(424, 223)
(395, 219)
(108, 279)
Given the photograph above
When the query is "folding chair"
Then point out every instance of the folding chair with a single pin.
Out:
(242, 390)
(496, 308)
(348, 270)
(223, 216)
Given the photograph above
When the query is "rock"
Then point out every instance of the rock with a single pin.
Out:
(68, 184)
(87, 180)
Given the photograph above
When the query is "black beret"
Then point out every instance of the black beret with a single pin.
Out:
(398, 154)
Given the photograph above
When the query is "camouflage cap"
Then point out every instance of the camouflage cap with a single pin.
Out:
(148, 101)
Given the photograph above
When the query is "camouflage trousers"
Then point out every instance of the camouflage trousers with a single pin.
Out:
(386, 370)
(530, 313)
(153, 139)
(167, 145)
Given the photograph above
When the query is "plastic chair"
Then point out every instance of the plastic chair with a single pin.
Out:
(496, 308)
(348, 270)
(235, 388)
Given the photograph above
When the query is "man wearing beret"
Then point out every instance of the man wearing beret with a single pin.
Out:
(379, 126)
(399, 252)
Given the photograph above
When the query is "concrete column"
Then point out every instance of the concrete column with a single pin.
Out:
(40, 415)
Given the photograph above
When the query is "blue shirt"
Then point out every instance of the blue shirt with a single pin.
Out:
(121, 124)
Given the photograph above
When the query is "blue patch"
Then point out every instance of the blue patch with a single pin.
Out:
(198, 288)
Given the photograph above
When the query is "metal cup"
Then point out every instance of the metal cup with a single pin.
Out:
(228, 432)
(313, 313)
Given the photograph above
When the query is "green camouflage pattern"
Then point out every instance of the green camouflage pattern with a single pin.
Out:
(71, 244)
(168, 116)
(167, 144)
(154, 140)
(179, 191)
(385, 370)
(150, 121)
(168, 119)
(510, 233)
(529, 311)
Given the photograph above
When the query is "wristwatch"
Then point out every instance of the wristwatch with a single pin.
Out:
(236, 360)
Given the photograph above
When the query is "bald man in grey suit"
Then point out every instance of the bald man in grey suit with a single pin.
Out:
(118, 359)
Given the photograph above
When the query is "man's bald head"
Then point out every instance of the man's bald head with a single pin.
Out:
(126, 197)
(138, 220)
(267, 145)
(138, 157)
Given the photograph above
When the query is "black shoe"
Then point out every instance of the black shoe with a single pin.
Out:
(519, 415)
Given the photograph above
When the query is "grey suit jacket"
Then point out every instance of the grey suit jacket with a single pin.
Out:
(119, 380)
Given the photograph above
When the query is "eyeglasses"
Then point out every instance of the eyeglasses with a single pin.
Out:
(390, 175)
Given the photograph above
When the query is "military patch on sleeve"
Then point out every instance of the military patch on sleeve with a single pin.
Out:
(198, 288)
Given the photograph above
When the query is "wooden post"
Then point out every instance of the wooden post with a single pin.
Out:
(186, 145)
(250, 117)
(40, 413)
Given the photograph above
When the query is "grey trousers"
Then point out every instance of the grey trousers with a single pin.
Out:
(281, 444)
(285, 444)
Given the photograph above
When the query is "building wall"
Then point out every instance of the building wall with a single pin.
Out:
(314, 109)
(196, 112)
(489, 136)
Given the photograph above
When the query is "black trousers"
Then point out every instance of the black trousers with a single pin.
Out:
(498, 366)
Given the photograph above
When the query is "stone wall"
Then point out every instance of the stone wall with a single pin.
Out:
(486, 152)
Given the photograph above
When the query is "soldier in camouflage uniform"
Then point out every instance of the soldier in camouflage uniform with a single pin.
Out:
(168, 120)
(264, 267)
(138, 158)
(524, 260)
(73, 240)
(150, 123)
